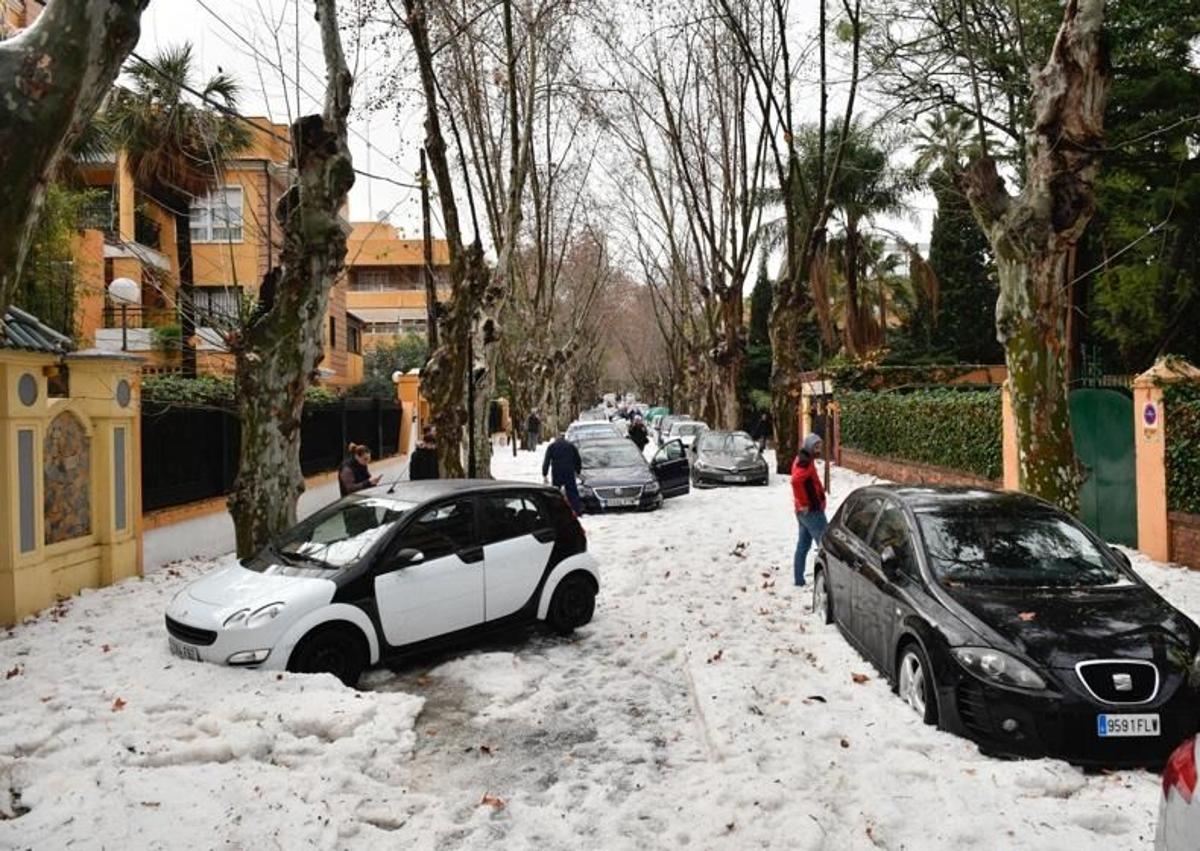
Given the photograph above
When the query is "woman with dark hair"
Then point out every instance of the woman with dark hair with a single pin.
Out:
(424, 463)
(353, 475)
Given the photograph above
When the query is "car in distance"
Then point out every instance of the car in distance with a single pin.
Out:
(685, 431)
(727, 458)
(389, 571)
(578, 431)
(664, 426)
(616, 476)
(1001, 618)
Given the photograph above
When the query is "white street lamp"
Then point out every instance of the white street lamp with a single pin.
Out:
(125, 291)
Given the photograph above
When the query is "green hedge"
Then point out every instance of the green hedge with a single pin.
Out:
(959, 430)
(211, 390)
(1183, 447)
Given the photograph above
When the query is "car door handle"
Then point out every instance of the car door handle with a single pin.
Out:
(471, 554)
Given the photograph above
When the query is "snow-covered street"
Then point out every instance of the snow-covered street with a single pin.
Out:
(704, 706)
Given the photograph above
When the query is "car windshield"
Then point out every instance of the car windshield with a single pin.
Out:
(688, 428)
(1033, 548)
(728, 444)
(598, 456)
(338, 536)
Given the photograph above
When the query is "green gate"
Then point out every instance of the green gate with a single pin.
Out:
(1102, 423)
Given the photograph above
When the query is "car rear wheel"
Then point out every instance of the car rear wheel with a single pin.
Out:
(914, 682)
(822, 603)
(330, 650)
(572, 605)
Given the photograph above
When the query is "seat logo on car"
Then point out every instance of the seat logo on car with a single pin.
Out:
(1122, 682)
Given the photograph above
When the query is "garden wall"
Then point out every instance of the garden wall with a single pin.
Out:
(1182, 402)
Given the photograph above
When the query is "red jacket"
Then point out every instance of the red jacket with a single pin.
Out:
(807, 491)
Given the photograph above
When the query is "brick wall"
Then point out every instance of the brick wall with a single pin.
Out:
(1184, 530)
(911, 472)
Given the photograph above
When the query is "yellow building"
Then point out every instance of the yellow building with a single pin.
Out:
(386, 285)
(235, 241)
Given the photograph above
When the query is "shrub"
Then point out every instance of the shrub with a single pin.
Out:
(212, 390)
(959, 430)
(1182, 403)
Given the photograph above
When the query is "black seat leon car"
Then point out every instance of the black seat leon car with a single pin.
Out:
(1001, 618)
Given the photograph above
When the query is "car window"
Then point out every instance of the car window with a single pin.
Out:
(507, 517)
(441, 531)
(892, 531)
(861, 514)
(337, 536)
(673, 451)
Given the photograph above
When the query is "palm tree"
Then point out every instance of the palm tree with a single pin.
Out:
(178, 149)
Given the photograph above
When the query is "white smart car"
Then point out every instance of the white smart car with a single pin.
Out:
(388, 571)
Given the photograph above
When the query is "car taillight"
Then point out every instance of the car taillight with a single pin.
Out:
(1180, 771)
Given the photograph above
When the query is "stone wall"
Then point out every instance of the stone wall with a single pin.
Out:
(910, 472)
(1184, 531)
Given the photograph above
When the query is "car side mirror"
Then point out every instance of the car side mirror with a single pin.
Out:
(1121, 557)
(404, 558)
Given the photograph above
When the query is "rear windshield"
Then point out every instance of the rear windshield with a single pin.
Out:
(335, 537)
(1032, 548)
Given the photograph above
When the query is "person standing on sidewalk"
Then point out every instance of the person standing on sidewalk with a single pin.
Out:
(424, 462)
(809, 498)
(533, 431)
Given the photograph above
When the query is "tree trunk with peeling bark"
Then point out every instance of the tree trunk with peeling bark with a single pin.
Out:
(279, 348)
(1032, 235)
(52, 79)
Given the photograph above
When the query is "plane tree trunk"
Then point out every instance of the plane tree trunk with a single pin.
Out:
(278, 349)
(52, 79)
(1033, 233)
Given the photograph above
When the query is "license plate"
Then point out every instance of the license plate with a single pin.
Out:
(1127, 725)
(183, 651)
(621, 502)
(735, 478)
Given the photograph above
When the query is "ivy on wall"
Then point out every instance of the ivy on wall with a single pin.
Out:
(1182, 402)
(959, 430)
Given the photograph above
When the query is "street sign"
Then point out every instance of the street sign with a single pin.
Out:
(1150, 416)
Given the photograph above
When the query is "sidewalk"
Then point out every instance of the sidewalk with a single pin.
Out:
(212, 535)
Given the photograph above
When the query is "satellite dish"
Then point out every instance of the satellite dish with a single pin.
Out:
(125, 291)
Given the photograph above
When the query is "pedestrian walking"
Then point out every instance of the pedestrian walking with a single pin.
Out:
(638, 434)
(533, 431)
(354, 474)
(764, 430)
(560, 466)
(424, 463)
(808, 497)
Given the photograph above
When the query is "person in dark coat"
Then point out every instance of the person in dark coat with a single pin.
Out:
(638, 434)
(764, 430)
(808, 498)
(533, 431)
(563, 464)
(353, 475)
(424, 462)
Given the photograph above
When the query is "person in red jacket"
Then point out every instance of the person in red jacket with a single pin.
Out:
(809, 498)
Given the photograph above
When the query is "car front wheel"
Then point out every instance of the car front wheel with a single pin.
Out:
(914, 682)
(572, 605)
(330, 650)
(822, 603)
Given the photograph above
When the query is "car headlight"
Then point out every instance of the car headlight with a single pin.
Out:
(264, 614)
(702, 465)
(997, 667)
(238, 618)
(652, 487)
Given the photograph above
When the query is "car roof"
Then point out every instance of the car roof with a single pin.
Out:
(427, 490)
(933, 498)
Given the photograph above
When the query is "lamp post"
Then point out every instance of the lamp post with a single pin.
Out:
(125, 291)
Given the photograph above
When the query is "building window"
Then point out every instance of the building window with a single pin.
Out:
(217, 306)
(372, 280)
(332, 333)
(353, 339)
(217, 217)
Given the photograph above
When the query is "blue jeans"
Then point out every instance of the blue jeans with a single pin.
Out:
(571, 490)
(812, 527)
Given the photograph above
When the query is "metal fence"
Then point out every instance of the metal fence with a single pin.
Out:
(190, 453)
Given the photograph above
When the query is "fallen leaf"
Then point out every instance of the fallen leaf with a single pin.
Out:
(859, 678)
(493, 801)
(1027, 616)
(756, 710)
(716, 657)
(485, 749)
(667, 575)
(818, 698)
(845, 743)
(15, 671)
(118, 704)
(106, 648)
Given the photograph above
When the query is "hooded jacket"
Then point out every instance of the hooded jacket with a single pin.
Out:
(807, 492)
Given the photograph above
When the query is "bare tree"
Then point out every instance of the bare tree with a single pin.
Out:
(1032, 235)
(52, 79)
(277, 350)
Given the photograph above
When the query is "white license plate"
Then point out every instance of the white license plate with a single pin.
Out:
(621, 502)
(183, 651)
(735, 478)
(1108, 726)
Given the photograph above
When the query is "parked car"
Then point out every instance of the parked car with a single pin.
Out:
(578, 431)
(1179, 809)
(1001, 618)
(664, 426)
(387, 571)
(616, 476)
(685, 431)
(727, 458)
